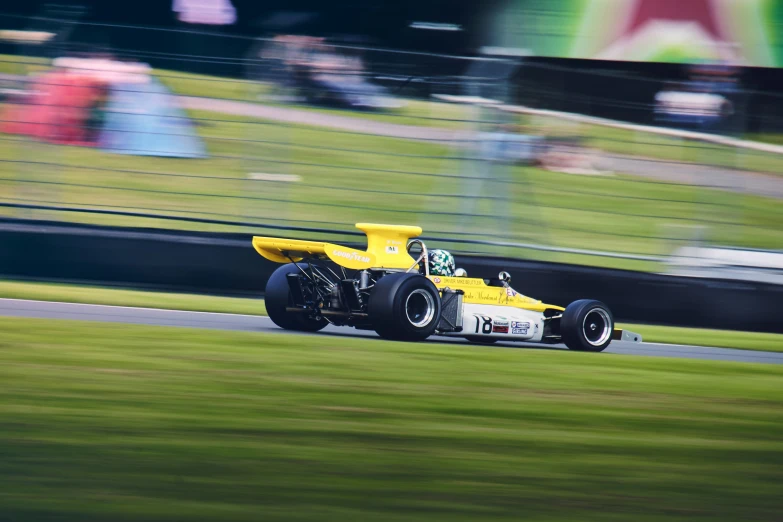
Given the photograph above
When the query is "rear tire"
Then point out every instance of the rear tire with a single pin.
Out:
(404, 307)
(278, 297)
(587, 326)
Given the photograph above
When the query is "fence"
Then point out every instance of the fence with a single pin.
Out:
(315, 136)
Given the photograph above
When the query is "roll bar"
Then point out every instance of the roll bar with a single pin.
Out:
(423, 256)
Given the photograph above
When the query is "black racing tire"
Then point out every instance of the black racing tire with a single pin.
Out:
(278, 297)
(587, 326)
(404, 307)
(478, 339)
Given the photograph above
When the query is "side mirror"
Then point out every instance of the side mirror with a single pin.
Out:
(505, 277)
(460, 272)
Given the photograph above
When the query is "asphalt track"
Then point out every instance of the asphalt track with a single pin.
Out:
(253, 323)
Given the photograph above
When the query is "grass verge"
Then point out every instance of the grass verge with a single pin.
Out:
(382, 180)
(767, 342)
(134, 423)
(347, 178)
(67, 293)
(431, 113)
(206, 303)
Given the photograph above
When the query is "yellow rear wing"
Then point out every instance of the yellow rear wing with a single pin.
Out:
(386, 248)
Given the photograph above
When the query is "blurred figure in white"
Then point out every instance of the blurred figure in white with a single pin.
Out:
(706, 101)
(207, 12)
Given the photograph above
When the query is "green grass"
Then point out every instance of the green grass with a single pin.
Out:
(207, 303)
(201, 85)
(776, 139)
(344, 177)
(767, 342)
(617, 213)
(15, 64)
(452, 115)
(106, 422)
(69, 293)
(413, 112)
(418, 113)
(649, 145)
(457, 116)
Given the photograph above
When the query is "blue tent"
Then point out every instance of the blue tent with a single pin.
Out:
(144, 120)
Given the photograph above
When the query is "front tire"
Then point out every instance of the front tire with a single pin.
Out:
(278, 298)
(587, 326)
(404, 307)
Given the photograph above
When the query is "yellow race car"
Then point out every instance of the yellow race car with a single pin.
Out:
(403, 291)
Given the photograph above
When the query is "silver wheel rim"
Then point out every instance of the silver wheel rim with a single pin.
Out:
(419, 308)
(597, 326)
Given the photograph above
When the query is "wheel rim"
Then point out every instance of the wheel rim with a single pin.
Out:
(597, 326)
(420, 308)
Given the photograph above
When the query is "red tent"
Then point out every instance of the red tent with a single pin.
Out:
(57, 110)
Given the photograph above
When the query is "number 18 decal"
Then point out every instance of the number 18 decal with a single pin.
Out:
(484, 327)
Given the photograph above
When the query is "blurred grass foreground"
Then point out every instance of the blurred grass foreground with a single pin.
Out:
(107, 422)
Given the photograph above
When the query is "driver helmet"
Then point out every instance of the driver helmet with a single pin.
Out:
(441, 263)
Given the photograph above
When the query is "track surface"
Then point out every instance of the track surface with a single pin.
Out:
(251, 323)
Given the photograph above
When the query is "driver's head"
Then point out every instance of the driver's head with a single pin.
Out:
(441, 263)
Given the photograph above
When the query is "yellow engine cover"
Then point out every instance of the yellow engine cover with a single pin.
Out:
(389, 243)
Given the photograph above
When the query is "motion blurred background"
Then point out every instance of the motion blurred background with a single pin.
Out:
(631, 134)
(592, 148)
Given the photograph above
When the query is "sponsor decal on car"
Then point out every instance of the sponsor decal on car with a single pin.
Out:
(486, 297)
(511, 292)
(392, 250)
(519, 328)
(349, 258)
(464, 281)
(496, 328)
(500, 321)
(436, 280)
(353, 256)
(492, 295)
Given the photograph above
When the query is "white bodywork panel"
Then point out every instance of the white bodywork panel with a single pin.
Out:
(500, 322)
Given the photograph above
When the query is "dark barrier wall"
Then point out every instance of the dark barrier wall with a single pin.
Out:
(166, 260)
(227, 264)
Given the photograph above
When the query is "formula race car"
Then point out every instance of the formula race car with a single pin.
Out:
(384, 288)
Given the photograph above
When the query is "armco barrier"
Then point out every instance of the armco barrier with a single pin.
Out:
(155, 259)
(226, 264)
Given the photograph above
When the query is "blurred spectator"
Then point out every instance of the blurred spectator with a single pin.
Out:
(205, 12)
(506, 144)
(571, 156)
(704, 102)
(324, 74)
